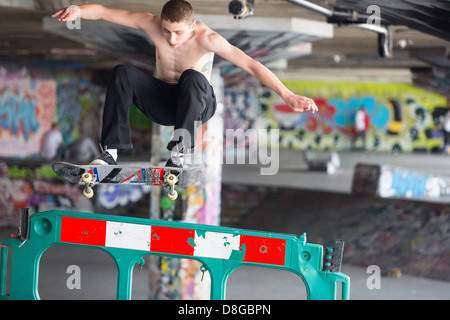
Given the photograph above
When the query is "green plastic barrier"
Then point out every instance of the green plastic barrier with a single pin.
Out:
(221, 250)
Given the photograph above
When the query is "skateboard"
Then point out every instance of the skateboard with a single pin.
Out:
(167, 177)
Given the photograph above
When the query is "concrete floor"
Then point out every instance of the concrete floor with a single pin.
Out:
(98, 271)
(98, 276)
(245, 283)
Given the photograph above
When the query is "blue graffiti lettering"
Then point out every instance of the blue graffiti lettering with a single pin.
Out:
(18, 115)
(409, 184)
(345, 115)
(111, 196)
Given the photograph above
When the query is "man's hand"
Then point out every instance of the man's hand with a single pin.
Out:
(70, 13)
(137, 20)
(300, 104)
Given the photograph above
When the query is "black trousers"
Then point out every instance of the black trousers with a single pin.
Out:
(184, 105)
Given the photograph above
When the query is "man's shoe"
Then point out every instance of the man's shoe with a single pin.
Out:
(104, 159)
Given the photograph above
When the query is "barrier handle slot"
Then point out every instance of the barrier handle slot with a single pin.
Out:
(3, 269)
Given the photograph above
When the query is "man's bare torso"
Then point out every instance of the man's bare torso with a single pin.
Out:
(171, 62)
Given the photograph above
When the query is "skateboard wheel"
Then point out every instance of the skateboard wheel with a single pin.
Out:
(86, 177)
(171, 179)
(172, 196)
(88, 193)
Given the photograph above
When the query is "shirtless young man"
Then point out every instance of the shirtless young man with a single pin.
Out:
(179, 94)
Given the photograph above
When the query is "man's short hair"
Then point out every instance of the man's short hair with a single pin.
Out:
(177, 11)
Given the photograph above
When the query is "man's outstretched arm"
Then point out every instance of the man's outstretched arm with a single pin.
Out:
(97, 12)
(223, 48)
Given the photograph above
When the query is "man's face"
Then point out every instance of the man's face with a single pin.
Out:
(177, 33)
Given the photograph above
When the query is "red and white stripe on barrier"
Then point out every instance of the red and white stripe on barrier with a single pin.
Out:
(158, 239)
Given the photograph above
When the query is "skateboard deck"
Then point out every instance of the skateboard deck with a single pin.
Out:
(168, 177)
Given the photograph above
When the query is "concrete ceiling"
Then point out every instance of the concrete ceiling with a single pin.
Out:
(265, 39)
(431, 16)
(22, 35)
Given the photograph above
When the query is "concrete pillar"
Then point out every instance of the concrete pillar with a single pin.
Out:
(182, 278)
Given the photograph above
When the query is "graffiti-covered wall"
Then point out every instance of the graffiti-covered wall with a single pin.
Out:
(79, 104)
(402, 118)
(33, 184)
(32, 97)
(26, 111)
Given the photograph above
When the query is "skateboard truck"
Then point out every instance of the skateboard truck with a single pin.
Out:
(171, 180)
(88, 192)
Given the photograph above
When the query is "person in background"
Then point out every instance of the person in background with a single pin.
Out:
(361, 127)
(81, 151)
(50, 143)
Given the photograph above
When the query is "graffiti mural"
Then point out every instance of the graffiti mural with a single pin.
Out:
(78, 106)
(34, 185)
(403, 118)
(113, 195)
(26, 111)
(31, 98)
(403, 183)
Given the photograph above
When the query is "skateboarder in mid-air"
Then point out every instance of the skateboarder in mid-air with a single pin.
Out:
(179, 94)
